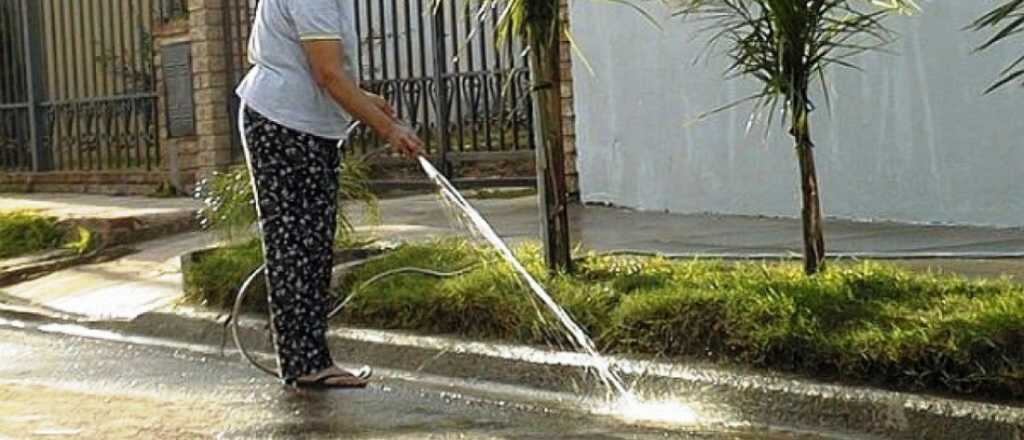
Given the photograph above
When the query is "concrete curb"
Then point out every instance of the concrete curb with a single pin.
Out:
(63, 260)
(750, 396)
(129, 230)
(114, 234)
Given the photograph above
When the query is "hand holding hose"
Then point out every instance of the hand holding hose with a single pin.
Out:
(402, 138)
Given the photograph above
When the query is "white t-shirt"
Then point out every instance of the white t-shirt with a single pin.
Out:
(280, 85)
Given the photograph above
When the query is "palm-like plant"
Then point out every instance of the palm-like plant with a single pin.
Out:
(787, 45)
(1006, 20)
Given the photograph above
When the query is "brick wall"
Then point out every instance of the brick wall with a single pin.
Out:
(568, 112)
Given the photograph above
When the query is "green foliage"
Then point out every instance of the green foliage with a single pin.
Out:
(23, 232)
(786, 44)
(529, 20)
(1005, 21)
(215, 276)
(864, 322)
(229, 206)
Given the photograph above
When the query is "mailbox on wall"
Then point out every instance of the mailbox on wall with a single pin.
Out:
(180, 106)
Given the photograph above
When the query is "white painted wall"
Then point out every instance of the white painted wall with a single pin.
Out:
(910, 139)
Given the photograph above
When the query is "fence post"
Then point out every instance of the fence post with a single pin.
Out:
(35, 75)
(443, 106)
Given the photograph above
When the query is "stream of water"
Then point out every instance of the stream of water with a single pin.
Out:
(479, 225)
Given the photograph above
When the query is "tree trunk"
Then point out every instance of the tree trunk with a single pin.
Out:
(551, 186)
(814, 235)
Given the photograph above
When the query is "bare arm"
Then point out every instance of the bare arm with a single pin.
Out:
(326, 63)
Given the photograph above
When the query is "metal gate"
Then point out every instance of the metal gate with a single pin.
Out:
(78, 85)
(442, 70)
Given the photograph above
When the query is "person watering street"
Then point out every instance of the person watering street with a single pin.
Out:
(298, 101)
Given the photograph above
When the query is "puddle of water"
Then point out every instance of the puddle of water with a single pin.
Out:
(663, 412)
(474, 222)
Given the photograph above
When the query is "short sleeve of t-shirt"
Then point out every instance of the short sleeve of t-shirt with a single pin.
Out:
(316, 19)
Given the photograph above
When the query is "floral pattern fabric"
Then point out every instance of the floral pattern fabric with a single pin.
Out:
(295, 178)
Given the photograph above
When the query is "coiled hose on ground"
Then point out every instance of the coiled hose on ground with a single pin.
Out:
(233, 319)
(236, 311)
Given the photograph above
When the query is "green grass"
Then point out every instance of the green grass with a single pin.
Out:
(864, 322)
(214, 278)
(23, 232)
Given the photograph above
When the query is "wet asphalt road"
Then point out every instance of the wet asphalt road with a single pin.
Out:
(60, 386)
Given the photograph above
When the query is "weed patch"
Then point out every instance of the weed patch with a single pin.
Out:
(24, 232)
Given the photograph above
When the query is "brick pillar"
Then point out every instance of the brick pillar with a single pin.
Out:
(180, 151)
(210, 69)
(568, 111)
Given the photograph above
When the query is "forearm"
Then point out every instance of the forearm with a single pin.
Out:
(347, 93)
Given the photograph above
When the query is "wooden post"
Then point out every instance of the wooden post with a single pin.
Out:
(551, 185)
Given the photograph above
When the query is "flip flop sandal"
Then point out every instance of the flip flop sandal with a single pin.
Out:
(333, 381)
(364, 373)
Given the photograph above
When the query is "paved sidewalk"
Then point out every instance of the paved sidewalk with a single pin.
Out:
(120, 289)
(116, 220)
(605, 229)
(151, 279)
(67, 206)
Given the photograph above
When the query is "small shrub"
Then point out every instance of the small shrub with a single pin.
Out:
(230, 206)
(24, 232)
(214, 278)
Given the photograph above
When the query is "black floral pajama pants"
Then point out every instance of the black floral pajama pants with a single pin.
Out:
(295, 177)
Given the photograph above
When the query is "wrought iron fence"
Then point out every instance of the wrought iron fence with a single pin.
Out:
(79, 87)
(15, 153)
(412, 54)
(440, 68)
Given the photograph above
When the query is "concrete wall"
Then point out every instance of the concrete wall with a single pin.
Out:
(910, 139)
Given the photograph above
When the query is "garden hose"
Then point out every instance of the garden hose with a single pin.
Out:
(236, 311)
